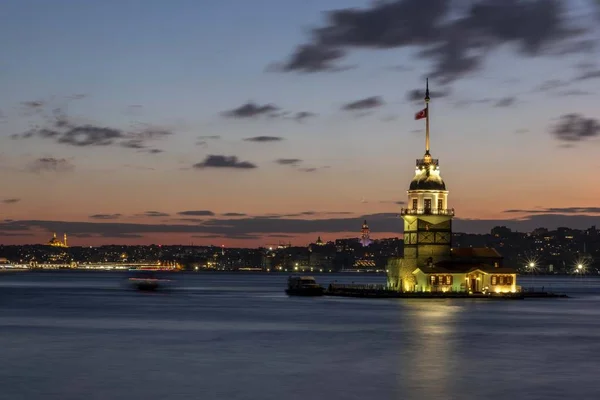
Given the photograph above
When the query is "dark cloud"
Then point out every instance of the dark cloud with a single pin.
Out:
(455, 36)
(590, 74)
(364, 104)
(263, 139)
(312, 169)
(197, 213)
(575, 128)
(288, 161)
(505, 102)
(557, 210)
(384, 222)
(155, 151)
(416, 95)
(154, 214)
(89, 135)
(10, 201)
(34, 104)
(13, 234)
(51, 164)
(303, 115)
(250, 110)
(550, 84)
(220, 161)
(234, 214)
(105, 216)
(575, 47)
(313, 58)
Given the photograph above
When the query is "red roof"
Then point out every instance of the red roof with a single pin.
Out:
(475, 252)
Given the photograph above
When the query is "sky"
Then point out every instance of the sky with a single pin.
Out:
(248, 123)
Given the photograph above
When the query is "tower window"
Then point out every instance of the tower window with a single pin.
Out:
(414, 204)
(440, 204)
(427, 204)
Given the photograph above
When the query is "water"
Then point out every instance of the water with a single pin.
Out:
(67, 335)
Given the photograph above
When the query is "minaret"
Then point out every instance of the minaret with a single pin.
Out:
(427, 218)
(65, 240)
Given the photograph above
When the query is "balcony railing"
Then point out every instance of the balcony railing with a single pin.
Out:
(427, 211)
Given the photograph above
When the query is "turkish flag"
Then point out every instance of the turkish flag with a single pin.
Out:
(421, 114)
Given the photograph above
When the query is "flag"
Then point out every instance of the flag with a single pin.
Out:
(421, 114)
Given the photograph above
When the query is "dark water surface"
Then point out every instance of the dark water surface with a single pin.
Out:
(238, 336)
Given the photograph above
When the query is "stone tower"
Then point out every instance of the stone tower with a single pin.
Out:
(427, 218)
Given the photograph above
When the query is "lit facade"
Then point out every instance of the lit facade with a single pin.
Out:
(55, 242)
(429, 263)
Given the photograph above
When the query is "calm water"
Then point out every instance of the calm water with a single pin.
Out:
(237, 336)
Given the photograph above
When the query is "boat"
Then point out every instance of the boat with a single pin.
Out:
(147, 281)
(304, 286)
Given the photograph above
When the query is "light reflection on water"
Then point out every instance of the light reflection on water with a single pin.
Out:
(237, 336)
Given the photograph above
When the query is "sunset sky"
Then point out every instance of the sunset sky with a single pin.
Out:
(249, 122)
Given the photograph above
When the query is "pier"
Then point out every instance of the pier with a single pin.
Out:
(382, 291)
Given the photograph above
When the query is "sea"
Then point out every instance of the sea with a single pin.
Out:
(84, 335)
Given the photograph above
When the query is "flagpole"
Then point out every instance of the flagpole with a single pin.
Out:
(427, 118)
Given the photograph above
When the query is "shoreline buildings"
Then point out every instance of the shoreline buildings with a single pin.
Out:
(429, 262)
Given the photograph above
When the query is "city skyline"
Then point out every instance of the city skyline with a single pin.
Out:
(174, 127)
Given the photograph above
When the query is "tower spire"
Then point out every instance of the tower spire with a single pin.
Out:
(427, 117)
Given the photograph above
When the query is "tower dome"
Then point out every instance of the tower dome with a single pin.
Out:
(427, 177)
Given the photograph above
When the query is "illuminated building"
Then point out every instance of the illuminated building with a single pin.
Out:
(365, 234)
(429, 262)
(55, 242)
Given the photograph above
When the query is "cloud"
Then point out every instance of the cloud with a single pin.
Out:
(312, 169)
(13, 234)
(220, 161)
(556, 210)
(197, 213)
(364, 104)
(454, 37)
(251, 110)
(303, 115)
(575, 128)
(105, 216)
(211, 137)
(95, 136)
(313, 58)
(264, 139)
(505, 102)
(155, 151)
(88, 135)
(51, 164)
(234, 214)
(154, 214)
(590, 74)
(10, 201)
(419, 95)
(550, 84)
(288, 161)
(382, 222)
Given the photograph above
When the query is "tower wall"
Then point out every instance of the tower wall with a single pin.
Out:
(427, 236)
